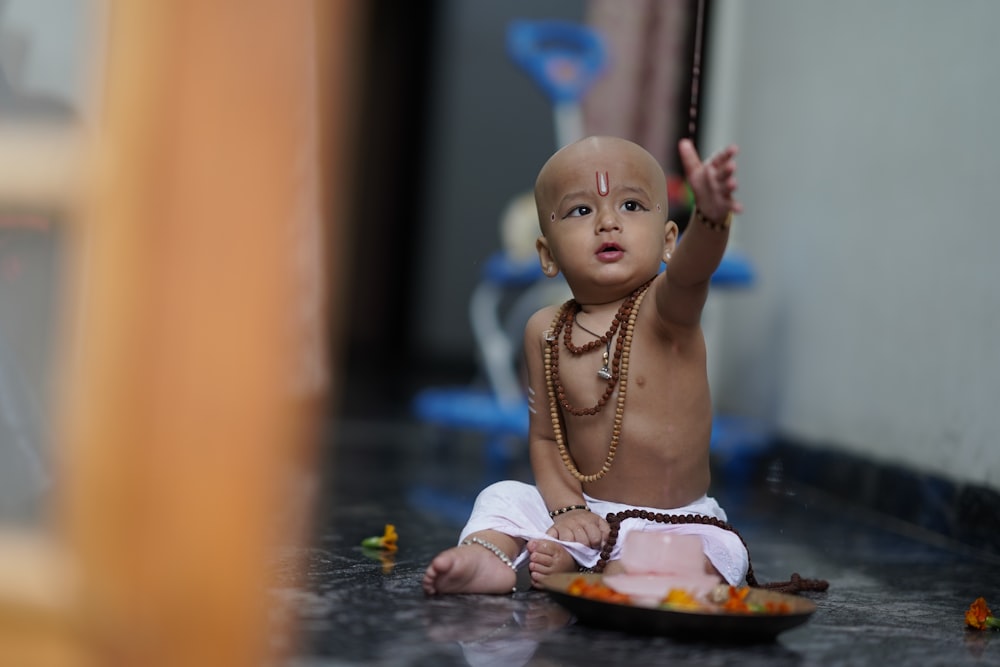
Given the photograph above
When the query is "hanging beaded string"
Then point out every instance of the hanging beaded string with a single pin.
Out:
(563, 323)
(605, 371)
(699, 29)
(601, 339)
(621, 369)
(614, 525)
(795, 584)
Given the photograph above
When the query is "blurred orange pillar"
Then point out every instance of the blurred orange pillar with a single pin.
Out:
(180, 439)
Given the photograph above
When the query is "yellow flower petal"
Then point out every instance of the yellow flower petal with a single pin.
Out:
(678, 597)
(390, 538)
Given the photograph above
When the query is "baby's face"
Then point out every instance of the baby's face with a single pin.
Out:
(602, 208)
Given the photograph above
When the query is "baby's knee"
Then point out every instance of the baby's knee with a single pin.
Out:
(502, 491)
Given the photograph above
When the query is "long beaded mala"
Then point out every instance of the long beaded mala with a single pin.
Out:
(627, 313)
(563, 323)
(795, 584)
(699, 30)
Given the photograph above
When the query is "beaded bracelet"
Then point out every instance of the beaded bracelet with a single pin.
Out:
(569, 508)
(712, 224)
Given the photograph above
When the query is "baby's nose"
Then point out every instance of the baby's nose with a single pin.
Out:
(607, 221)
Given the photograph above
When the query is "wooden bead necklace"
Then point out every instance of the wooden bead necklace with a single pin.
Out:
(574, 311)
(619, 373)
(604, 372)
(563, 324)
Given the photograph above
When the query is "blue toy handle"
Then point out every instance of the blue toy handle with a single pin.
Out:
(563, 58)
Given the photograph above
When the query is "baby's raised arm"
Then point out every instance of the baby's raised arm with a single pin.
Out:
(713, 181)
(681, 296)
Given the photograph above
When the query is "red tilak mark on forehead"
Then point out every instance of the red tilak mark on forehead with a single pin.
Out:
(602, 184)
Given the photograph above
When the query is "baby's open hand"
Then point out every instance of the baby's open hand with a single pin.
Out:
(580, 526)
(713, 181)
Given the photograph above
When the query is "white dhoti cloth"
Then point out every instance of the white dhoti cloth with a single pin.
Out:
(517, 509)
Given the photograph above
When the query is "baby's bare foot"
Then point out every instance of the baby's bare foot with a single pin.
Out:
(547, 558)
(468, 569)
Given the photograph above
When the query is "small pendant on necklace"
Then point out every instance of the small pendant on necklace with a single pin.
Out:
(604, 373)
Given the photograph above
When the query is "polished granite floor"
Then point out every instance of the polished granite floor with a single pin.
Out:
(896, 596)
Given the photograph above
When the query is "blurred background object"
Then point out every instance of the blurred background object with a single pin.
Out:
(191, 355)
(44, 105)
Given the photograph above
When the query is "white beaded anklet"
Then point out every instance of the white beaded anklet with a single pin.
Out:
(497, 551)
(492, 547)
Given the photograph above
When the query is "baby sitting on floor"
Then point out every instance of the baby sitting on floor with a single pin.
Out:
(621, 414)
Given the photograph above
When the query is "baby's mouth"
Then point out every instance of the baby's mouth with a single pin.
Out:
(609, 253)
(609, 248)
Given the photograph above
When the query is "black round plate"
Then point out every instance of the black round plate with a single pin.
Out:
(685, 625)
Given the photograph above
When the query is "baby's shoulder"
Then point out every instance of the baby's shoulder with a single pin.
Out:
(540, 321)
(543, 318)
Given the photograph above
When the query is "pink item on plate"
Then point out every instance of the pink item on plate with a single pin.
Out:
(656, 563)
(663, 553)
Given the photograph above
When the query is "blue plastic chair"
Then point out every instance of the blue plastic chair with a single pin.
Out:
(564, 59)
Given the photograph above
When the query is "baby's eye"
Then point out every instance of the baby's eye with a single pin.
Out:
(578, 211)
(633, 205)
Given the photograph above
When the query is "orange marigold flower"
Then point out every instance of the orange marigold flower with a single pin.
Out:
(737, 600)
(390, 538)
(580, 587)
(979, 616)
(777, 608)
(387, 541)
(680, 598)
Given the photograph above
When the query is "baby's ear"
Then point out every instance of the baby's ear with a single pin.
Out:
(670, 235)
(545, 258)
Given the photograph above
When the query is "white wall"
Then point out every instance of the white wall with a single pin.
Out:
(870, 172)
